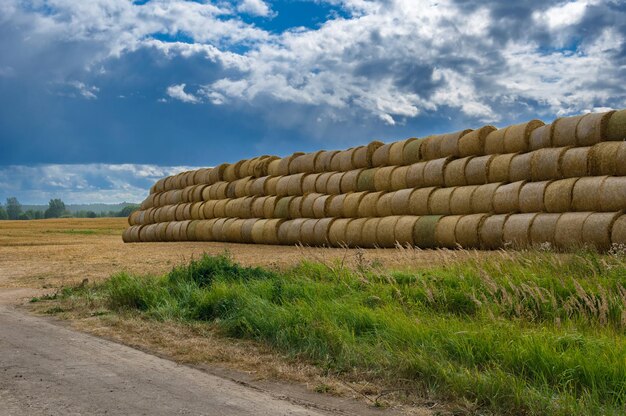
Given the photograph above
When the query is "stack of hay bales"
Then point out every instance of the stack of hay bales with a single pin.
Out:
(562, 184)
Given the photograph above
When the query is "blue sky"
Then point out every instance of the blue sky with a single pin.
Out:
(94, 94)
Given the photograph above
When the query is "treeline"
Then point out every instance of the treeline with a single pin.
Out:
(12, 210)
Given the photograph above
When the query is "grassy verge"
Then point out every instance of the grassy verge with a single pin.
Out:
(528, 334)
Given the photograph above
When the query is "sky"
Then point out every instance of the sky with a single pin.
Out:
(100, 98)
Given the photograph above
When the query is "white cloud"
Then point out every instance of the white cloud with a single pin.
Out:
(88, 92)
(254, 7)
(178, 92)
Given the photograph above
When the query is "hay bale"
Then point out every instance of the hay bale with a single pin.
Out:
(217, 231)
(321, 183)
(281, 210)
(494, 142)
(273, 169)
(133, 219)
(354, 232)
(350, 180)
(558, 196)
(586, 193)
(516, 231)
(232, 171)
(403, 230)
(385, 231)
(430, 148)
(597, 229)
(159, 185)
(283, 232)
(604, 158)
(520, 169)
(258, 207)
(304, 163)
(616, 128)
(321, 231)
(517, 137)
(186, 213)
(499, 168)
(415, 175)
(564, 131)
(269, 207)
(245, 169)
(506, 198)
(381, 155)
(230, 189)
(368, 234)
(322, 163)
(473, 143)
(233, 231)
(308, 183)
(351, 204)
(592, 128)
(439, 201)
(569, 229)
(294, 230)
(335, 207)
(271, 185)
(346, 160)
(363, 155)
(398, 178)
(382, 178)
(467, 231)
(262, 168)
(246, 230)
(172, 231)
(477, 170)
(270, 231)
(295, 184)
(445, 231)
(383, 206)
(532, 196)
(285, 163)
(220, 190)
(411, 152)
(337, 234)
(396, 152)
(196, 195)
(217, 173)
(618, 233)
(368, 205)
(400, 201)
(295, 207)
(258, 186)
(576, 162)
(242, 187)
(219, 210)
(186, 195)
(171, 213)
(282, 186)
(450, 143)
(547, 163)
(127, 235)
(434, 172)
(320, 206)
(306, 209)
(179, 212)
(541, 138)
(461, 200)
(162, 229)
(335, 162)
(424, 231)
(365, 182)
(257, 231)
(333, 185)
(613, 194)
(454, 173)
(419, 201)
(543, 228)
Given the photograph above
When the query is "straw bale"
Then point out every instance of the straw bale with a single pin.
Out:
(186, 212)
(398, 178)
(308, 183)
(517, 137)
(499, 168)
(217, 173)
(295, 207)
(403, 230)
(219, 210)
(473, 143)
(433, 172)
(439, 201)
(382, 178)
(532, 196)
(592, 128)
(245, 209)
(177, 181)
(321, 183)
(269, 206)
(283, 167)
(258, 186)
(430, 148)
(604, 158)
(282, 207)
(159, 186)
(321, 231)
(613, 194)
(335, 162)
(245, 168)
(233, 231)
(159, 215)
(520, 169)
(126, 235)
(307, 232)
(257, 210)
(293, 232)
(262, 168)
(242, 187)
(381, 155)
(196, 195)
(172, 231)
(597, 229)
(202, 177)
(230, 189)
(419, 201)
(295, 184)
(620, 169)
(547, 163)
(232, 171)
(477, 170)
(171, 213)
(282, 186)
(543, 229)
(383, 205)
(411, 152)
(445, 231)
(346, 160)
(320, 206)
(461, 200)
(270, 231)
(220, 190)
(304, 163)
(354, 232)
(506, 198)
(450, 143)
(337, 232)
(257, 231)
(350, 181)
(271, 185)
(273, 169)
(385, 231)
(368, 205)
(335, 207)
(351, 204)
(616, 129)
(576, 162)
(564, 131)
(396, 152)
(424, 231)
(400, 201)
(494, 142)
(467, 230)
(415, 175)
(322, 163)
(306, 209)
(516, 230)
(368, 234)
(217, 231)
(569, 229)
(179, 214)
(283, 232)
(167, 185)
(618, 233)
(558, 196)
(133, 218)
(161, 231)
(333, 186)
(365, 182)
(454, 173)
(186, 194)
(586, 193)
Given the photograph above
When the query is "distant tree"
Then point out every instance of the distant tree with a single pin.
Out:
(34, 214)
(3, 213)
(56, 208)
(14, 208)
(91, 214)
(24, 216)
(127, 210)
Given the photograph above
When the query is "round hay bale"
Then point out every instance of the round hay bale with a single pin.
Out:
(322, 163)
(307, 232)
(396, 152)
(532, 196)
(543, 228)
(337, 234)
(273, 169)
(546, 164)
(576, 162)
(258, 186)
(270, 206)
(257, 231)
(618, 233)
(281, 210)
(257, 210)
(430, 148)
(494, 142)
(346, 160)
(569, 229)
(461, 200)
(246, 230)
(320, 206)
(368, 234)
(365, 182)
(133, 218)
(126, 235)
(293, 232)
(368, 205)
(592, 128)
(282, 186)
(306, 209)
(454, 173)
(383, 205)
(516, 230)
(167, 185)
(520, 169)
(517, 137)
(382, 178)
(161, 231)
(308, 183)
(350, 180)
(506, 198)
(613, 194)
(233, 232)
(477, 170)
(321, 231)
(335, 206)
(186, 194)
(351, 204)
(419, 201)
(558, 196)
(260, 167)
(232, 171)
(305, 163)
(499, 168)
(141, 235)
(482, 198)
(295, 207)
(322, 182)
(220, 190)
(354, 232)
(411, 152)
(335, 162)
(219, 210)
(445, 235)
(294, 186)
(271, 185)
(159, 186)
(604, 158)
(230, 189)
(434, 172)
(363, 155)
(564, 131)
(381, 155)
(597, 229)
(217, 173)
(218, 232)
(385, 231)
(246, 169)
(439, 201)
(333, 186)
(415, 175)
(467, 231)
(186, 212)
(398, 178)
(400, 201)
(283, 167)
(403, 230)
(171, 213)
(586, 193)
(450, 143)
(196, 212)
(242, 187)
(473, 143)
(424, 231)
(541, 137)
(196, 195)
(270, 231)
(616, 128)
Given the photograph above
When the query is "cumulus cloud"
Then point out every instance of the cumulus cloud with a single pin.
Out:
(178, 92)
(254, 7)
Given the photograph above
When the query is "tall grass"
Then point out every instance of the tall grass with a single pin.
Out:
(529, 334)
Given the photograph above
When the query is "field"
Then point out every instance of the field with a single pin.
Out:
(526, 332)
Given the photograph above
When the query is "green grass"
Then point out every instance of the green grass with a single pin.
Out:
(534, 333)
